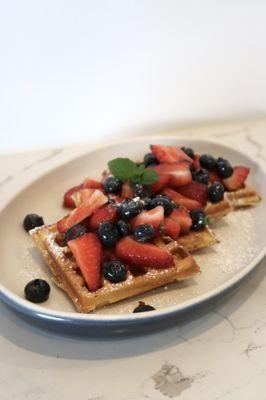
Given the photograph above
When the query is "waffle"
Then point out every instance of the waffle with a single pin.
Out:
(69, 278)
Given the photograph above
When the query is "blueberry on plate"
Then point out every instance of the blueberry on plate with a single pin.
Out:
(141, 191)
(37, 290)
(208, 162)
(201, 176)
(216, 192)
(189, 152)
(161, 200)
(123, 227)
(129, 209)
(143, 233)
(112, 185)
(199, 220)
(32, 221)
(75, 232)
(224, 168)
(142, 307)
(150, 160)
(108, 233)
(114, 271)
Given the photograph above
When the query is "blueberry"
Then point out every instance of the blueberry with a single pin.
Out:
(75, 232)
(199, 220)
(208, 162)
(112, 185)
(142, 307)
(189, 152)
(216, 192)
(149, 159)
(143, 233)
(31, 221)
(123, 228)
(129, 209)
(201, 176)
(108, 233)
(161, 200)
(114, 271)
(37, 290)
(224, 168)
(141, 191)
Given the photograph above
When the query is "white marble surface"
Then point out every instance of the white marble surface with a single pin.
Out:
(218, 353)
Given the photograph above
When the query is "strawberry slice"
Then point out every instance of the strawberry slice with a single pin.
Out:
(83, 211)
(171, 227)
(183, 218)
(87, 251)
(153, 217)
(161, 183)
(82, 196)
(127, 192)
(196, 161)
(236, 181)
(183, 201)
(68, 201)
(104, 213)
(195, 191)
(169, 154)
(142, 255)
(92, 184)
(178, 174)
(213, 176)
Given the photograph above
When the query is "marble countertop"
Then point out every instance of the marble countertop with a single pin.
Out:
(218, 353)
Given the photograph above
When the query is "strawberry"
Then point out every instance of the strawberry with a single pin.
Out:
(92, 184)
(195, 191)
(183, 218)
(87, 251)
(236, 181)
(82, 196)
(104, 213)
(171, 227)
(68, 201)
(179, 174)
(183, 201)
(161, 183)
(153, 217)
(196, 162)
(127, 192)
(213, 176)
(169, 154)
(83, 211)
(142, 255)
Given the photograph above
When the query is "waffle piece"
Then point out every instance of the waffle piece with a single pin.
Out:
(68, 277)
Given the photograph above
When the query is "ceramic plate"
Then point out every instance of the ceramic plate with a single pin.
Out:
(242, 246)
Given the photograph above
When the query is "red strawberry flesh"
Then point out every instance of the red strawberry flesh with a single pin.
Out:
(195, 191)
(183, 201)
(238, 178)
(92, 184)
(171, 228)
(169, 154)
(104, 213)
(68, 201)
(183, 218)
(178, 174)
(153, 217)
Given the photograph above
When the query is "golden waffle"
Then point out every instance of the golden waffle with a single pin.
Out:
(69, 278)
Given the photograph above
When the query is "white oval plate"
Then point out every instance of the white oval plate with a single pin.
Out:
(242, 245)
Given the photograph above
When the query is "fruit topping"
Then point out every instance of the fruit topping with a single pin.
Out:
(196, 162)
(68, 200)
(75, 232)
(153, 217)
(199, 220)
(143, 255)
(127, 192)
(105, 213)
(114, 271)
(123, 228)
(87, 251)
(112, 185)
(32, 221)
(161, 200)
(178, 174)
(189, 152)
(142, 307)
(129, 209)
(171, 227)
(216, 192)
(213, 176)
(238, 178)
(150, 160)
(181, 200)
(127, 170)
(82, 195)
(183, 218)
(201, 176)
(92, 184)
(37, 291)
(169, 154)
(195, 191)
(108, 233)
(144, 233)
(142, 191)
(208, 162)
(224, 168)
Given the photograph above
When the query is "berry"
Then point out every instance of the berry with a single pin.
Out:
(150, 160)
(37, 290)
(75, 232)
(104, 213)
(87, 251)
(153, 217)
(224, 168)
(238, 178)
(129, 209)
(216, 192)
(123, 228)
(174, 175)
(68, 201)
(201, 176)
(183, 218)
(142, 307)
(92, 184)
(171, 228)
(207, 161)
(31, 221)
(189, 152)
(199, 220)
(127, 192)
(112, 185)
(141, 191)
(82, 196)
(108, 233)
(142, 255)
(163, 201)
(196, 162)
(195, 191)
(169, 154)
(114, 271)
(181, 200)
(144, 233)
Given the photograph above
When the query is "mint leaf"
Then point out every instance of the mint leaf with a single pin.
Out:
(123, 168)
(149, 176)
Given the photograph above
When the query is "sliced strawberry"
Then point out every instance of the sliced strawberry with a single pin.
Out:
(196, 162)
(68, 201)
(169, 154)
(182, 216)
(116, 198)
(141, 255)
(104, 213)
(179, 174)
(83, 211)
(213, 176)
(236, 181)
(92, 184)
(161, 183)
(153, 217)
(195, 191)
(82, 196)
(87, 251)
(178, 198)
(127, 192)
(171, 227)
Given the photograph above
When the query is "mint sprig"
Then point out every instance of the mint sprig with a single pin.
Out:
(126, 170)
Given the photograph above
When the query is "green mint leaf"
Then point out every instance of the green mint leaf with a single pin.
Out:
(207, 220)
(149, 176)
(123, 168)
